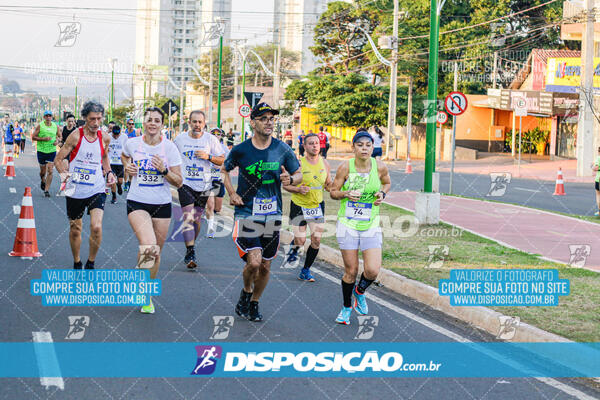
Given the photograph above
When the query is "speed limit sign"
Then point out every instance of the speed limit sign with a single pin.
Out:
(442, 117)
(245, 110)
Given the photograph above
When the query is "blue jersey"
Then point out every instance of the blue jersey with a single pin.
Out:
(258, 181)
(8, 134)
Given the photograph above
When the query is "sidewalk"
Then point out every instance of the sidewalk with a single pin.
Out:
(552, 236)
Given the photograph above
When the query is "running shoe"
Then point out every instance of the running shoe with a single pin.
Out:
(43, 185)
(344, 316)
(47, 193)
(597, 214)
(241, 308)
(253, 313)
(306, 276)
(292, 257)
(113, 200)
(360, 303)
(89, 264)
(190, 259)
(77, 265)
(148, 309)
(210, 234)
(126, 186)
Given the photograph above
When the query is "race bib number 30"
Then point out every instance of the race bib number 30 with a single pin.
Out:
(83, 176)
(312, 213)
(358, 211)
(266, 206)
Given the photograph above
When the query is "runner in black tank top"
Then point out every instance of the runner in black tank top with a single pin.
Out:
(66, 131)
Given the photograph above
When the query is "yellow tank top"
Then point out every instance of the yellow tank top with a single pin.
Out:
(313, 176)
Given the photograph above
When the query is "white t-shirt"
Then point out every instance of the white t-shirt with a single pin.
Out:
(376, 139)
(149, 186)
(115, 148)
(196, 172)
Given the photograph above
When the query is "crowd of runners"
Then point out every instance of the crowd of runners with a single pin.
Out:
(94, 162)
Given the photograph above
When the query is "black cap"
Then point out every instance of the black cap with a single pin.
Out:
(262, 108)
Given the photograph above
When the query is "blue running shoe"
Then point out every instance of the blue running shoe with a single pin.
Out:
(305, 275)
(344, 316)
(360, 303)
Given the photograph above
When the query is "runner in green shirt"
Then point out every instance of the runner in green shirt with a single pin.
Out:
(361, 184)
(48, 135)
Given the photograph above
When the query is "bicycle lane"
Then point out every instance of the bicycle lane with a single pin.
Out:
(555, 237)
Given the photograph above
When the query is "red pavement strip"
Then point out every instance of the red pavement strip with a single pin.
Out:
(526, 229)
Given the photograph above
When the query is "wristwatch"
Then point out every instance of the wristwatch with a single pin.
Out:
(165, 172)
(209, 157)
(291, 180)
(384, 193)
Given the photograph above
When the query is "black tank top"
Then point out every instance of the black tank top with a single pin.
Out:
(66, 132)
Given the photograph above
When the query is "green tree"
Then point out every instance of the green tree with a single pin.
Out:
(338, 45)
(226, 73)
(121, 113)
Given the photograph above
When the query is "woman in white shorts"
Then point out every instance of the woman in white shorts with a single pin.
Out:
(153, 162)
(361, 184)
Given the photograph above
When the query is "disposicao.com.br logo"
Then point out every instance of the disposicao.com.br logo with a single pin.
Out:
(290, 363)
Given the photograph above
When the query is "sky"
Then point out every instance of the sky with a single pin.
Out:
(30, 36)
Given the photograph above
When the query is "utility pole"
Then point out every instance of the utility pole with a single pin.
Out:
(495, 71)
(222, 32)
(76, 117)
(236, 116)
(277, 66)
(393, 83)
(210, 89)
(182, 88)
(409, 117)
(432, 89)
(454, 128)
(585, 130)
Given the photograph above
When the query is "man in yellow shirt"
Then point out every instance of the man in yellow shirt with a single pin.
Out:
(307, 206)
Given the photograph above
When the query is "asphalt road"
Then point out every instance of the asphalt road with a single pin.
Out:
(580, 198)
(294, 312)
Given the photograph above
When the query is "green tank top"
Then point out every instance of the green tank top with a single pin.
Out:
(363, 214)
(598, 172)
(47, 131)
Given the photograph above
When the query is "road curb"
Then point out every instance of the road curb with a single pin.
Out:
(480, 317)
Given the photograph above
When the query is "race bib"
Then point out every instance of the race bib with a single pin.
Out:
(150, 177)
(114, 159)
(358, 211)
(194, 173)
(312, 213)
(266, 206)
(83, 176)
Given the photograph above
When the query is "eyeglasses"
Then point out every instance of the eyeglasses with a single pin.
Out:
(264, 120)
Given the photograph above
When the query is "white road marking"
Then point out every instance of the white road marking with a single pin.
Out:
(17, 210)
(12, 190)
(47, 361)
(433, 326)
(528, 190)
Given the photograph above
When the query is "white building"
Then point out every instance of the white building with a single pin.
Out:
(170, 33)
(294, 23)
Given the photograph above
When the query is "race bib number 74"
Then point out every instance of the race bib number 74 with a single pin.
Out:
(358, 211)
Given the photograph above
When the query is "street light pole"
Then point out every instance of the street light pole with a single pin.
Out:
(243, 90)
(393, 84)
(75, 80)
(220, 76)
(432, 88)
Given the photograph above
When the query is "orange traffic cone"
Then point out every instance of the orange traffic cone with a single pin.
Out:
(560, 185)
(26, 238)
(5, 156)
(10, 167)
(408, 169)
